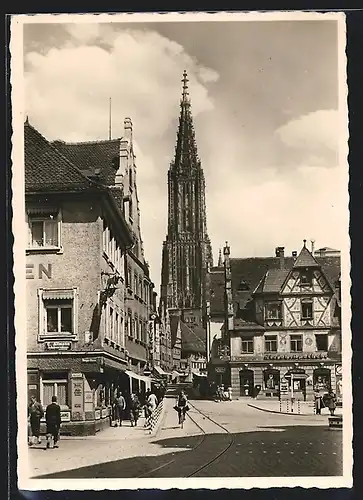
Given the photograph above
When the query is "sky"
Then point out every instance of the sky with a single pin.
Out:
(266, 113)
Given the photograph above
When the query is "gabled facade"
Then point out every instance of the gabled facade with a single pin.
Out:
(78, 238)
(283, 317)
(186, 253)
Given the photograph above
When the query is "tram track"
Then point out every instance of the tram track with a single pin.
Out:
(180, 462)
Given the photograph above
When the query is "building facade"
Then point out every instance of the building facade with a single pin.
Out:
(282, 325)
(186, 251)
(78, 237)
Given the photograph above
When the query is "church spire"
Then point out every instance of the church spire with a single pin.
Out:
(186, 155)
(220, 261)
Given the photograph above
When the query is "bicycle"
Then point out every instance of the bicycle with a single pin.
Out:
(181, 418)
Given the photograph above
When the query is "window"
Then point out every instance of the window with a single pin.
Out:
(247, 345)
(44, 231)
(127, 325)
(306, 309)
(271, 343)
(111, 324)
(140, 289)
(296, 343)
(306, 278)
(321, 342)
(273, 310)
(129, 277)
(136, 287)
(117, 328)
(55, 385)
(59, 316)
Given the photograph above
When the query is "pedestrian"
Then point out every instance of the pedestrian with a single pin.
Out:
(120, 407)
(318, 403)
(331, 402)
(53, 421)
(35, 413)
(134, 409)
(230, 393)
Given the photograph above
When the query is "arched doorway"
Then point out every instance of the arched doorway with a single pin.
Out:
(246, 382)
(297, 383)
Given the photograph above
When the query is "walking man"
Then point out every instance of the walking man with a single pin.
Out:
(120, 407)
(135, 409)
(53, 421)
(35, 413)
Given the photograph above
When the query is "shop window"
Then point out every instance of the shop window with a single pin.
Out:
(296, 343)
(44, 230)
(247, 345)
(321, 342)
(273, 310)
(271, 380)
(55, 387)
(321, 379)
(271, 343)
(306, 309)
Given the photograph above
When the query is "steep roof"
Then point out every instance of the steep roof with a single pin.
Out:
(261, 274)
(193, 339)
(46, 168)
(272, 281)
(92, 155)
(305, 259)
(216, 280)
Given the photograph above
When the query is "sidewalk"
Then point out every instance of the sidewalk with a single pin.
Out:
(304, 408)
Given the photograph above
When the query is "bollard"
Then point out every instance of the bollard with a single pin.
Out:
(298, 406)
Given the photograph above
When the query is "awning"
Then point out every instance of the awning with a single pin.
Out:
(198, 374)
(137, 376)
(159, 370)
(57, 294)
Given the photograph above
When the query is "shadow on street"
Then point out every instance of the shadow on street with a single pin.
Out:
(270, 452)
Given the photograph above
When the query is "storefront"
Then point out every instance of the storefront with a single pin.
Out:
(85, 388)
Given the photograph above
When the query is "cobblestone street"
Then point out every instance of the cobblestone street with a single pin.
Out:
(259, 444)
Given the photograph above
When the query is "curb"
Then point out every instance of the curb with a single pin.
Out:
(158, 424)
(282, 412)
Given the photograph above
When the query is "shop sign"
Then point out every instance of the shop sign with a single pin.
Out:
(58, 346)
(77, 375)
(338, 369)
(88, 397)
(104, 413)
(89, 360)
(65, 416)
(220, 369)
(97, 414)
(284, 386)
(77, 395)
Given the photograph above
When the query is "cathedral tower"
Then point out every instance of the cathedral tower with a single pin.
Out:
(187, 252)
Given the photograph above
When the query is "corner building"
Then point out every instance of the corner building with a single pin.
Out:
(77, 347)
(187, 252)
(282, 322)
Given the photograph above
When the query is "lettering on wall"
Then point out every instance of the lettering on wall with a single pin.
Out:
(43, 271)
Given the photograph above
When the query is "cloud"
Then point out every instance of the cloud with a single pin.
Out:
(263, 188)
(314, 136)
(67, 97)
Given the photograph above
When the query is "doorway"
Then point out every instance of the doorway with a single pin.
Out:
(246, 382)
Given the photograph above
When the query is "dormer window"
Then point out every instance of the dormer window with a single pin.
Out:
(243, 286)
(306, 278)
(273, 310)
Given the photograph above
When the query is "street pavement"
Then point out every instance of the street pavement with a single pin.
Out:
(259, 444)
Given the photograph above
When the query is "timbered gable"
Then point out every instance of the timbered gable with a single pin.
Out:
(306, 281)
(292, 312)
(322, 311)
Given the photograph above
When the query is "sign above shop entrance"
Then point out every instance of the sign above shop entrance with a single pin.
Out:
(58, 345)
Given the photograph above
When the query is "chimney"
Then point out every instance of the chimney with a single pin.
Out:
(280, 252)
(128, 129)
(294, 254)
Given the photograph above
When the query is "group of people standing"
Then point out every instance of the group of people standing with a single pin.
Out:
(222, 394)
(130, 407)
(52, 419)
(326, 400)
